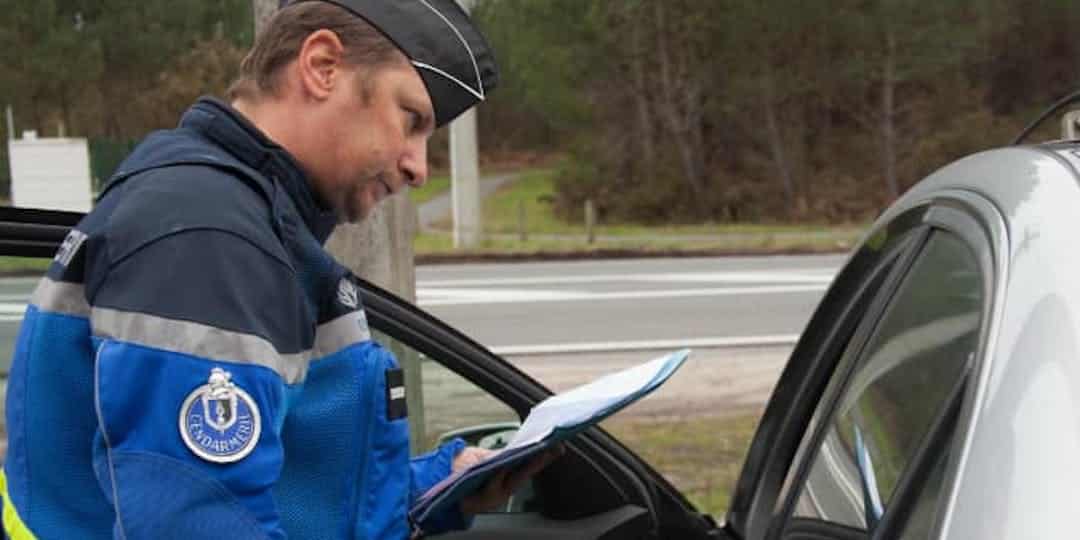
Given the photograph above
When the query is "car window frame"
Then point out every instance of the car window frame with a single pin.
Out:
(634, 478)
(854, 295)
(969, 219)
(838, 380)
(839, 386)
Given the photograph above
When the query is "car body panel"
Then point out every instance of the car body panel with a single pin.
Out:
(1017, 476)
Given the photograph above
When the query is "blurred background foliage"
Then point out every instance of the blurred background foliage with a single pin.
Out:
(774, 110)
(673, 111)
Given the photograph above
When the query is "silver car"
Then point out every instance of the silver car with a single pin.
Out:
(935, 392)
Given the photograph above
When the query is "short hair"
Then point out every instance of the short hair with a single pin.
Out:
(280, 41)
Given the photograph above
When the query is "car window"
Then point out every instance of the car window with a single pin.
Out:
(447, 404)
(900, 382)
(18, 278)
(927, 510)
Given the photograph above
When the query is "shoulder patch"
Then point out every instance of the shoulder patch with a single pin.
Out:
(219, 422)
(72, 242)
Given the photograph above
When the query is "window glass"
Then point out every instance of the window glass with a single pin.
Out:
(451, 405)
(897, 389)
(925, 514)
(18, 278)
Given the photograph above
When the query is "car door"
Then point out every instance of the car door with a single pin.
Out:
(597, 489)
(863, 434)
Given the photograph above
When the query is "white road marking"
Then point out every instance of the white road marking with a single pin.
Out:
(429, 297)
(810, 275)
(617, 346)
(493, 296)
(7, 308)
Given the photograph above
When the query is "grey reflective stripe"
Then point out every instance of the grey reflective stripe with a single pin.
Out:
(197, 339)
(61, 297)
(341, 332)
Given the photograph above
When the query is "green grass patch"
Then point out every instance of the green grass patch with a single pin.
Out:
(701, 456)
(525, 206)
(441, 244)
(532, 192)
(435, 186)
(10, 266)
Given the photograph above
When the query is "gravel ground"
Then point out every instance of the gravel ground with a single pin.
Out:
(711, 382)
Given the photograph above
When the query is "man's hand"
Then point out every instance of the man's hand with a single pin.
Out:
(499, 489)
(469, 456)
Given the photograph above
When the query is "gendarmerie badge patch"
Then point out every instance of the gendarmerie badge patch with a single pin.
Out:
(219, 422)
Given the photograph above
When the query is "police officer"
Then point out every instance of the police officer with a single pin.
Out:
(194, 364)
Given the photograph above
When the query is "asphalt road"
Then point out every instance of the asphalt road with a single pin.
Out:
(567, 323)
(598, 306)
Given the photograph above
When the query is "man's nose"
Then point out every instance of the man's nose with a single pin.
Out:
(414, 165)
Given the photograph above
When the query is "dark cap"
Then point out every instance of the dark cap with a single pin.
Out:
(452, 57)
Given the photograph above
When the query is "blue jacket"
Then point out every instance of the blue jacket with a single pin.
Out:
(195, 365)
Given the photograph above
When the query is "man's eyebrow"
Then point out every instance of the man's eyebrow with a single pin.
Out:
(423, 108)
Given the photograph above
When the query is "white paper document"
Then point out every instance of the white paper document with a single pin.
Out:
(584, 402)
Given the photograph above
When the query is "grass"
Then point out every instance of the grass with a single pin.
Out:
(701, 456)
(534, 190)
(441, 244)
(15, 266)
(435, 186)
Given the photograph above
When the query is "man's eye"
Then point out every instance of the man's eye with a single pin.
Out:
(414, 121)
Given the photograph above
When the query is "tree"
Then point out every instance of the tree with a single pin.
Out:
(896, 49)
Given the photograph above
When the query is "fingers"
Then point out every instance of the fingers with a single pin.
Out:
(505, 483)
(469, 456)
(519, 477)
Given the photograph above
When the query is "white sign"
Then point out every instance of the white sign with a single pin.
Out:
(50, 173)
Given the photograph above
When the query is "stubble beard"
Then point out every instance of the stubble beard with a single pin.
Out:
(355, 206)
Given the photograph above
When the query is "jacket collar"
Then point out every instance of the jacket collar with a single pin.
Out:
(230, 130)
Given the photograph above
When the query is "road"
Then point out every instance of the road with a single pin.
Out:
(567, 323)
(598, 306)
(545, 315)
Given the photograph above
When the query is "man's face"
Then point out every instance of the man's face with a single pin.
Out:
(375, 139)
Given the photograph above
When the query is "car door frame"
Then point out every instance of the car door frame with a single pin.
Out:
(849, 312)
(36, 233)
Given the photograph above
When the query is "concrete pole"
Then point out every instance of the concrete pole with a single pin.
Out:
(590, 222)
(465, 180)
(10, 123)
(465, 174)
(380, 250)
(262, 10)
(1070, 125)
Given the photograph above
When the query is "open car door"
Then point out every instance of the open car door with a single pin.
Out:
(597, 489)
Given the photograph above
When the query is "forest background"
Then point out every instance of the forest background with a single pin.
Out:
(672, 111)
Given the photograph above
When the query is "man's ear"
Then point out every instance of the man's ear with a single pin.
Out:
(319, 64)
